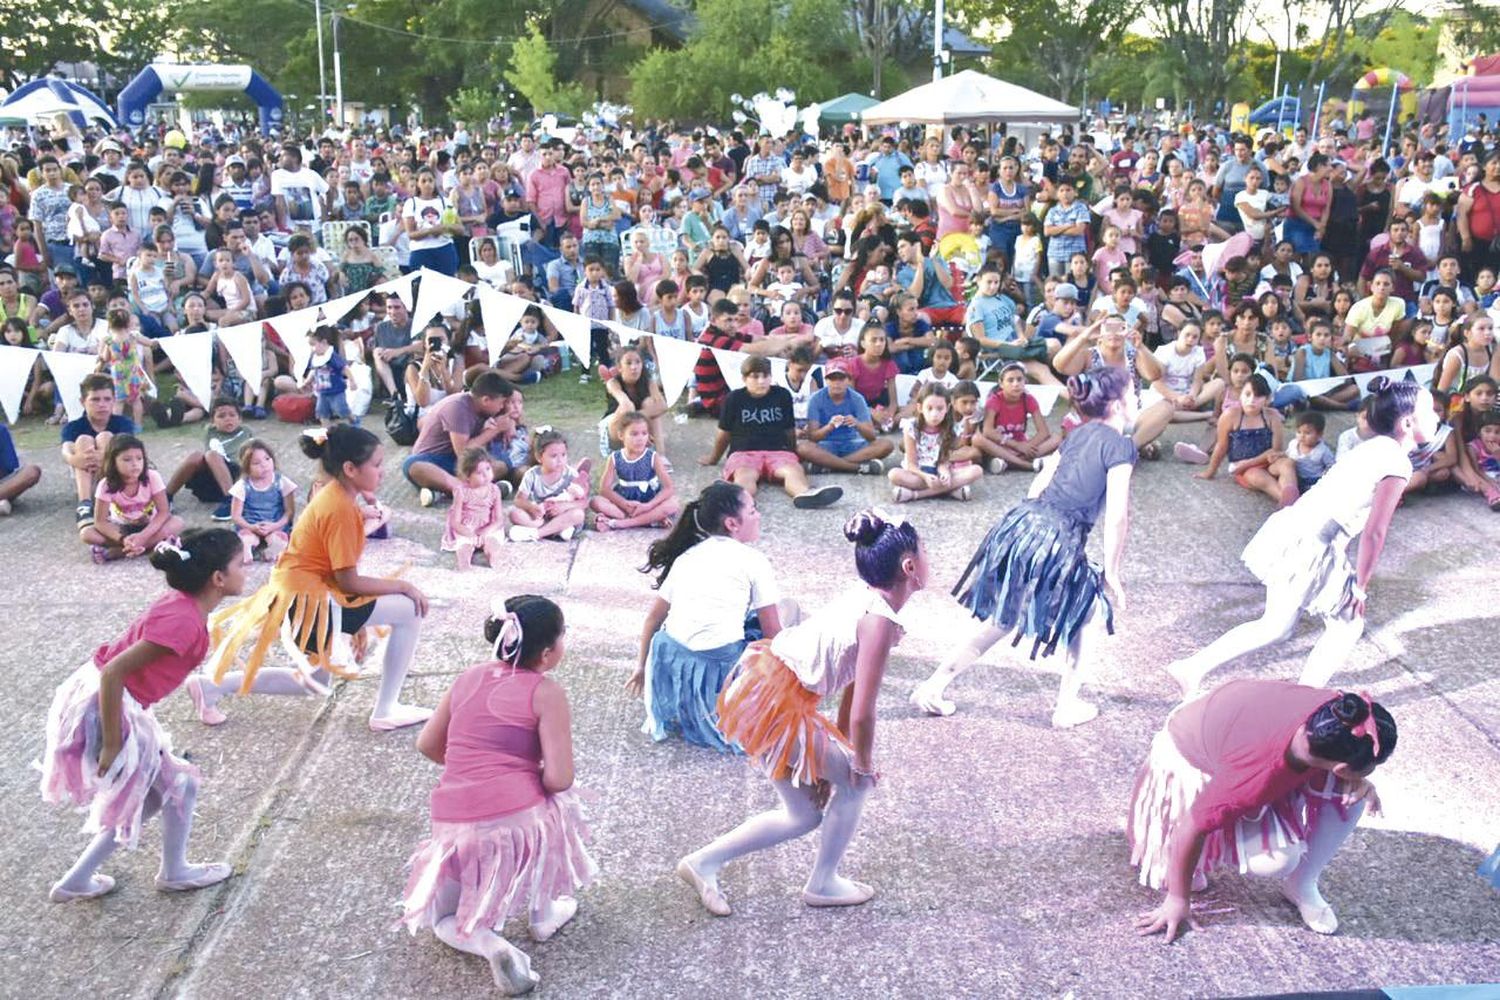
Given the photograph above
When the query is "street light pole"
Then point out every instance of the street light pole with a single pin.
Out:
(338, 76)
(322, 73)
(937, 40)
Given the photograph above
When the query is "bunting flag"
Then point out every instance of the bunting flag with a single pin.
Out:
(778, 371)
(674, 365)
(501, 314)
(435, 294)
(68, 370)
(906, 385)
(1046, 396)
(627, 334)
(293, 329)
(399, 287)
(16, 364)
(244, 344)
(1374, 347)
(729, 365)
(338, 308)
(192, 355)
(577, 332)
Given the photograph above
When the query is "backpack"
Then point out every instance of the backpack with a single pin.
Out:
(401, 423)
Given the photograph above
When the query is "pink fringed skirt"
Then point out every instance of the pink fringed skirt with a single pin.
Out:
(499, 868)
(1163, 795)
(70, 763)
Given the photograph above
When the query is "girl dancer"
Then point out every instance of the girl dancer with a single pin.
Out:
(106, 752)
(1301, 553)
(636, 489)
(508, 833)
(316, 592)
(477, 518)
(1031, 576)
(1263, 776)
(710, 581)
(820, 770)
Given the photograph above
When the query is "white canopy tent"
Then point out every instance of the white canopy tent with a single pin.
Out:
(969, 97)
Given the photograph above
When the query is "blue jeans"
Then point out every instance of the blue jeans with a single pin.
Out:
(443, 259)
(448, 463)
(61, 253)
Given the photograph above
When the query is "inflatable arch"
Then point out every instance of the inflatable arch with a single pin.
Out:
(157, 77)
(1372, 91)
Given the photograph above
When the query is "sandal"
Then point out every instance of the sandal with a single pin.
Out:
(602, 523)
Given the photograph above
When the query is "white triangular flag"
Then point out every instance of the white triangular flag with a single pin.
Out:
(1045, 395)
(778, 371)
(1318, 386)
(243, 342)
(500, 312)
(1422, 374)
(729, 365)
(627, 334)
(293, 329)
(16, 364)
(577, 332)
(192, 355)
(435, 294)
(399, 287)
(674, 364)
(985, 389)
(1211, 254)
(905, 386)
(336, 309)
(1374, 347)
(68, 370)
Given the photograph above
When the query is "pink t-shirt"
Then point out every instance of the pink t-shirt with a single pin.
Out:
(132, 508)
(547, 190)
(492, 764)
(1237, 734)
(871, 382)
(173, 621)
(1010, 418)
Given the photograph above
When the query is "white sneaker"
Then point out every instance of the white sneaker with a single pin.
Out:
(1036, 465)
(523, 533)
(964, 492)
(566, 534)
(4, 508)
(872, 467)
(425, 497)
(995, 466)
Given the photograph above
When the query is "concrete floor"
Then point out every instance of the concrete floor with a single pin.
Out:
(996, 844)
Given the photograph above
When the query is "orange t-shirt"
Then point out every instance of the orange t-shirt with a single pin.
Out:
(329, 536)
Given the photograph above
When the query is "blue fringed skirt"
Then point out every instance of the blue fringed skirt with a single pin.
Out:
(682, 691)
(1490, 870)
(1031, 575)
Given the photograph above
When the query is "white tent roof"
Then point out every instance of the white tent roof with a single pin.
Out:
(969, 96)
(41, 100)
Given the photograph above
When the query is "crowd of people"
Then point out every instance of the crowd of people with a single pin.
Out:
(892, 305)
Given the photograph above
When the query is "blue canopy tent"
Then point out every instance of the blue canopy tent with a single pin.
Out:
(39, 100)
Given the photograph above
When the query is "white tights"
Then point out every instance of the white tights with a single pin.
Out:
(1277, 622)
(176, 825)
(981, 640)
(798, 816)
(397, 611)
(510, 966)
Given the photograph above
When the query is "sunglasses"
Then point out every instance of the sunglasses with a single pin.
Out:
(843, 312)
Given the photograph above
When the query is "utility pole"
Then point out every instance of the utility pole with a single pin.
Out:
(937, 40)
(322, 73)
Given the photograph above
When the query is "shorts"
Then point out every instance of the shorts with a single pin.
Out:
(448, 463)
(332, 406)
(766, 464)
(842, 447)
(1303, 485)
(944, 315)
(931, 470)
(205, 487)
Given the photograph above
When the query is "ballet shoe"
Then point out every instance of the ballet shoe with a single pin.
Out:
(859, 893)
(1319, 916)
(709, 895)
(558, 914)
(1200, 881)
(511, 968)
(400, 717)
(930, 700)
(99, 885)
(1074, 713)
(208, 714)
(197, 877)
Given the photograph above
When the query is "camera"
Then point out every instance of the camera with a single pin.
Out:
(434, 343)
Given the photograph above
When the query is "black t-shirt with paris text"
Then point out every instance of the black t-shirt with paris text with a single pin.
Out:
(759, 423)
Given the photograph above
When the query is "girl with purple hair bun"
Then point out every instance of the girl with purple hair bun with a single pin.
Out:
(1031, 577)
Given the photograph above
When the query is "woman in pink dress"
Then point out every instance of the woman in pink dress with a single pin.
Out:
(957, 201)
(508, 831)
(644, 268)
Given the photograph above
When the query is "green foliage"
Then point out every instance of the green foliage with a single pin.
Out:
(533, 72)
(1473, 27)
(1052, 43)
(476, 104)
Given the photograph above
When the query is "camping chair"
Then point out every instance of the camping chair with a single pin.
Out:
(663, 241)
(332, 236)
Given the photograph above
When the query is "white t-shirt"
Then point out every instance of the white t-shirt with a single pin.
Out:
(713, 586)
(1347, 491)
(931, 176)
(949, 380)
(1180, 368)
(798, 181)
(823, 651)
(427, 212)
(1255, 227)
(832, 340)
(303, 190)
(72, 340)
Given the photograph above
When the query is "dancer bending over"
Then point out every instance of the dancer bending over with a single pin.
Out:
(821, 771)
(1031, 576)
(1301, 553)
(711, 582)
(1267, 777)
(107, 754)
(316, 592)
(508, 832)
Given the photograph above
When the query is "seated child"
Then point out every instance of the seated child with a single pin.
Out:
(966, 358)
(801, 382)
(1484, 453)
(477, 518)
(636, 488)
(1308, 451)
(550, 501)
(262, 502)
(1250, 437)
(928, 440)
(840, 430)
(131, 511)
(940, 367)
(523, 360)
(1316, 359)
(209, 474)
(1186, 371)
(786, 287)
(1006, 414)
(16, 477)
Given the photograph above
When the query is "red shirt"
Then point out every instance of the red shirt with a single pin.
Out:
(706, 374)
(1237, 734)
(1010, 418)
(870, 382)
(173, 621)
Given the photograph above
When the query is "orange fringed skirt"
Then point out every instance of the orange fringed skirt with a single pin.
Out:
(775, 719)
(301, 609)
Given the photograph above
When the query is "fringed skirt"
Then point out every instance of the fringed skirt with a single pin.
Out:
(769, 713)
(309, 622)
(682, 688)
(1163, 796)
(1314, 564)
(499, 868)
(1490, 870)
(70, 763)
(1032, 576)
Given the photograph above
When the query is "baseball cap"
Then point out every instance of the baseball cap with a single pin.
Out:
(65, 269)
(834, 371)
(1066, 290)
(175, 140)
(233, 160)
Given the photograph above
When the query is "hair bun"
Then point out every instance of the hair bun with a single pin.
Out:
(1081, 387)
(863, 528)
(1380, 383)
(1350, 708)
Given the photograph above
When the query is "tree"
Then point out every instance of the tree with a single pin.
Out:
(39, 36)
(1328, 34)
(533, 72)
(1472, 27)
(1205, 39)
(1055, 41)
